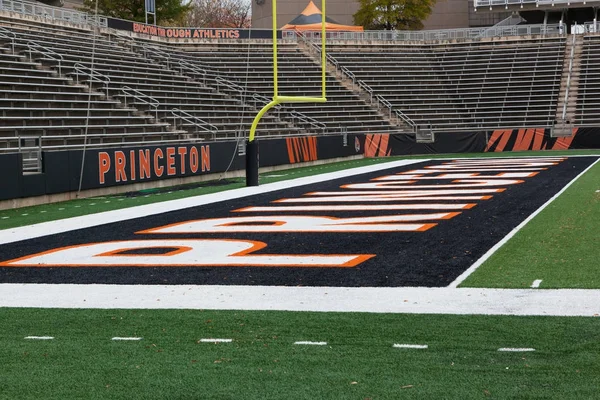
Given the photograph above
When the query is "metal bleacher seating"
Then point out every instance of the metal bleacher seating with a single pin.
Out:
(139, 93)
(457, 86)
(249, 65)
(588, 99)
(39, 101)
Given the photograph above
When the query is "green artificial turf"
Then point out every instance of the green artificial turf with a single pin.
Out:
(560, 246)
(262, 362)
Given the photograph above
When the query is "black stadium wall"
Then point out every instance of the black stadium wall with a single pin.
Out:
(525, 139)
(127, 165)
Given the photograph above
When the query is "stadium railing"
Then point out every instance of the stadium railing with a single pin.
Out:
(54, 13)
(491, 3)
(443, 34)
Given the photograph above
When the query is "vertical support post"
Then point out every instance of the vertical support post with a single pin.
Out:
(252, 163)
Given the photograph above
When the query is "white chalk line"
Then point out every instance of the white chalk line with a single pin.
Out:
(208, 340)
(536, 284)
(410, 346)
(39, 337)
(420, 300)
(516, 349)
(305, 343)
(512, 233)
(119, 338)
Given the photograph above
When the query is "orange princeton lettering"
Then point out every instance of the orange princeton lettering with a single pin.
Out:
(171, 161)
(120, 161)
(194, 159)
(205, 151)
(182, 151)
(132, 165)
(103, 165)
(144, 163)
(158, 169)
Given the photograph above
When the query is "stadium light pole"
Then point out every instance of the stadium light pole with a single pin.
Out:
(252, 153)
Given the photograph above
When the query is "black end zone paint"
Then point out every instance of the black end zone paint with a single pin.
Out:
(433, 258)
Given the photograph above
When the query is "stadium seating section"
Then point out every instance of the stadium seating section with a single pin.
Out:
(151, 91)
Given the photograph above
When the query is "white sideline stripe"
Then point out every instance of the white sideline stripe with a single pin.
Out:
(410, 346)
(512, 233)
(216, 340)
(536, 283)
(312, 343)
(39, 337)
(12, 235)
(126, 338)
(419, 300)
(516, 350)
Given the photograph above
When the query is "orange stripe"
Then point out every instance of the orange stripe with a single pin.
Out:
(495, 136)
(383, 145)
(290, 150)
(538, 139)
(504, 140)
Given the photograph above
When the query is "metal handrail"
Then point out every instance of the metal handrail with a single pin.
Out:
(572, 56)
(508, 21)
(183, 64)
(93, 75)
(36, 47)
(366, 88)
(157, 53)
(442, 34)
(308, 120)
(229, 85)
(504, 3)
(381, 100)
(141, 96)
(192, 119)
(54, 13)
(5, 33)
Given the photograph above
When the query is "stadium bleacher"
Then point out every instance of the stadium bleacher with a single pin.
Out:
(157, 91)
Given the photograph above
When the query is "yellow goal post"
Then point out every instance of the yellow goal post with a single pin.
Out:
(277, 99)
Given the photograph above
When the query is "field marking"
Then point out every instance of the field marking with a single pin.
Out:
(419, 300)
(39, 337)
(311, 343)
(216, 340)
(410, 346)
(536, 284)
(461, 278)
(516, 349)
(12, 235)
(126, 338)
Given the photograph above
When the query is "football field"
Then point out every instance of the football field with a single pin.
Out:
(419, 278)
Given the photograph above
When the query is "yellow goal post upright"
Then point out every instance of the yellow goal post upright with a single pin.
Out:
(252, 158)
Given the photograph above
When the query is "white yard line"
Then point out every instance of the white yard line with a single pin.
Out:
(556, 302)
(311, 343)
(126, 338)
(12, 235)
(516, 350)
(216, 340)
(410, 346)
(39, 337)
(512, 233)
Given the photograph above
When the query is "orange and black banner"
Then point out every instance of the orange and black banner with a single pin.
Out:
(540, 139)
(526, 139)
